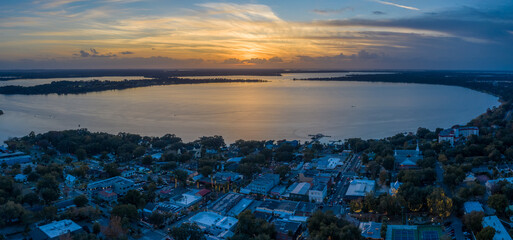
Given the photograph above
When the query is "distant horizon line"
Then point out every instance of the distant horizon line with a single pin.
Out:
(259, 69)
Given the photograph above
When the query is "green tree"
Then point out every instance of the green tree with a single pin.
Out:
(206, 171)
(439, 204)
(49, 195)
(147, 160)
(80, 201)
(181, 176)
(473, 221)
(282, 171)
(133, 197)
(250, 227)
(81, 154)
(187, 231)
(486, 234)
(328, 226)
(156, 219)
(31, 199)
(11, 212)
(128, 211)
(499, 202)
(97, 228)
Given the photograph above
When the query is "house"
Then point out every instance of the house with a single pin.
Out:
(371, 230)
(70, 180)
(394, 188)
(358, 188)
(56, 230)
(500, 232)
(20, 178)
(469, 178)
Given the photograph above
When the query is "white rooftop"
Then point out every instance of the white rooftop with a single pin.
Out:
(55, 229)
(500, 231)
(211, 219)
(227, 223)
(359, 187)
(188, 199)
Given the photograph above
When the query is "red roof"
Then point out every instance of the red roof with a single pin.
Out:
(107, 193)
(203, 192)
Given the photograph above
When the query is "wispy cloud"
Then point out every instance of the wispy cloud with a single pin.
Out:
(332, 11)
(397, 5)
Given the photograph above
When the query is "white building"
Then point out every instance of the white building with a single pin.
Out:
(318, 193)
(213, 222)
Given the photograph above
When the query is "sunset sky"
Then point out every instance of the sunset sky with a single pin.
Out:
(337, 34)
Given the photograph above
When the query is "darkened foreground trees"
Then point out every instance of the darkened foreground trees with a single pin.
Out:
(77, 87)
(328, 226)
(187, 231)
(250, 227)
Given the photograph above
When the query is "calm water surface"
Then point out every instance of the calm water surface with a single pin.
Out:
(280, 109)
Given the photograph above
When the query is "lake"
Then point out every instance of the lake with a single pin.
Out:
(279, 109)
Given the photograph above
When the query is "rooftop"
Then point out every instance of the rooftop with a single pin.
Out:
(472, 206)
(358, 188)
(55, 229)
(500, 232)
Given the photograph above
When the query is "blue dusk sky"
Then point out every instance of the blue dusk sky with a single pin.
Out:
(343, 34)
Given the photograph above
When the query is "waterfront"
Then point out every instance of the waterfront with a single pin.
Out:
(279, 109)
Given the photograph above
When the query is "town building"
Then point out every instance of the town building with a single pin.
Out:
(300, 192)
(318, 192)
(56, 230)
(287, 230)
(11, 158)
(280, 208)
(358, 188)
(454, 134)
(500, 232)
(469, 207)
(119, 185)
(108, 195)
(263, 184)
(214, 223)
(407, 159)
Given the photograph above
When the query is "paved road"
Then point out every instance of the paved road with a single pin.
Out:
(456, 222)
